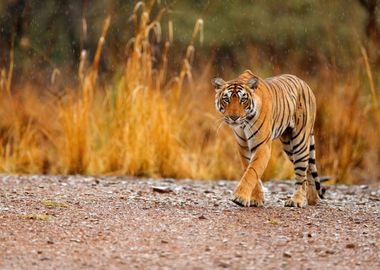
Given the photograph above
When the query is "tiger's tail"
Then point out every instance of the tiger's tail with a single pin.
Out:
(313, 168)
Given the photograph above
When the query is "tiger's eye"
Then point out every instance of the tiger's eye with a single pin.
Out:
(243, 100)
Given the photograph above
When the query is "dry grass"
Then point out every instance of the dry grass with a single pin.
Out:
(147, 123)
(341, 135)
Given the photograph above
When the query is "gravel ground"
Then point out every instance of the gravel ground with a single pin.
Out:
(122, 223)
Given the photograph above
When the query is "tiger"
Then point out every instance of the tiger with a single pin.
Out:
(260, 111)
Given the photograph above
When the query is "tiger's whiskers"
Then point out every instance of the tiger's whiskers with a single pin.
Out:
(221, 122)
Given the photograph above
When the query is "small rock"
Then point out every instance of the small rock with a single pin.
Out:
(202, 217)
(164, 241)
(322, 254)
(169, 180)
(283, 187)
(161, 189)
(50, 242)
(287, 254)
(350, 245)
(75, 240)
(224, 264)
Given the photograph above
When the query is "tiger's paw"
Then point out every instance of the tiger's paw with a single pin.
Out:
(257, 196)
(312, 196)
(242, 197)
(297, 200)
(257, 202)
(241, 202)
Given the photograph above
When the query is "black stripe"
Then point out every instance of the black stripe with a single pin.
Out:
(289, 115)
(299, 132)
(251, 116)
(257, 145)
(284, 110)
(275, 113)
(258, 129)
(280, 110)
(312, 147)
(300, 150)
(301, 142)
(239, 136)
(312, 160)
(302, 159)
(317, 185)
(300, 183)
(244, 147)
(314, 174)
(300, 168)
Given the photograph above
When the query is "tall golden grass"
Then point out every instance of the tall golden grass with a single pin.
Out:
(149, 123)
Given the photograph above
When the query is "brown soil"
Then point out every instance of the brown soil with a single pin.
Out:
(110, 223)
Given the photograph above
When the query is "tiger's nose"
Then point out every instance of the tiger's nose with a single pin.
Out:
(234, 117)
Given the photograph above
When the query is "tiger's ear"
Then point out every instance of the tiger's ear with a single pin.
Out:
(253, 82)
(218, 83)
(246, 75)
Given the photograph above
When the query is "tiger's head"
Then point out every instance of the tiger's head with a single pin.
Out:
(236, 99)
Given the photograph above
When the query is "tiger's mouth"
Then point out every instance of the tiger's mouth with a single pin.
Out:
(234, 122)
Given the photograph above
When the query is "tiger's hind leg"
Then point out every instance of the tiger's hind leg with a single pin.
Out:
(312, 194)
(298, 153)
(314, 191)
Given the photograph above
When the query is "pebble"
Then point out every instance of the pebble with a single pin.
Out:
(224, 264)
(161, 189)
(287, 254)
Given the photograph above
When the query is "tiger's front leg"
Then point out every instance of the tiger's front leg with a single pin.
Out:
(249, 191)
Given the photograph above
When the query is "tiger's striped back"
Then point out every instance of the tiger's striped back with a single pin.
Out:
(288, 93)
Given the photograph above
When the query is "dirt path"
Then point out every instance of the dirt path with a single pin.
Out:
(110, 223)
